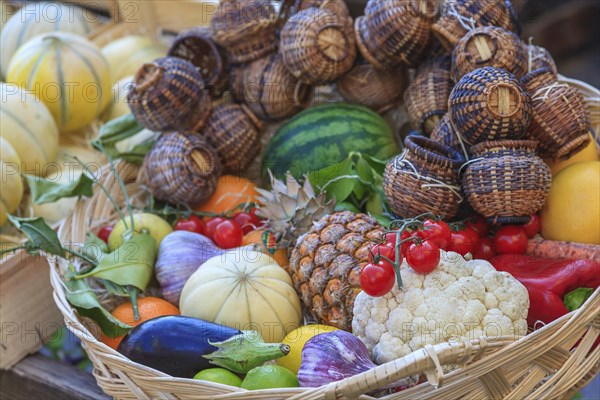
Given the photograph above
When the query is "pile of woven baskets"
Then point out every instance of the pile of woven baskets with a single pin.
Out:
(487, 108)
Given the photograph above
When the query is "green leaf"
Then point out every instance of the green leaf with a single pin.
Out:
(378, 166)
(345, 206)
(85, 301)
(44, 191)
(94, 247)
(114, 289)
(575, 299)
(337, 180)
(131, 264)
(41, 236)
(138, 153)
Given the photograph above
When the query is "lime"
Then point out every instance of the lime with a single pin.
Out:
(219, 375)
(296, 339)
(269, 377)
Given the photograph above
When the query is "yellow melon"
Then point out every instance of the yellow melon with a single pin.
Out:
(69, 74)
(11, 187)
(126, 55)
(37, 18)
(118, 106)
(28, 126)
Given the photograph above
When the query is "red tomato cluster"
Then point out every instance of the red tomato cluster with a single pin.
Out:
(421, 248)
(226, 233)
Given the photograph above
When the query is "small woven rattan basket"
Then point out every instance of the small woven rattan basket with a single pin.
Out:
(542, 365)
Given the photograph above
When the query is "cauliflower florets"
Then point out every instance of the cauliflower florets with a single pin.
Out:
(460, 299)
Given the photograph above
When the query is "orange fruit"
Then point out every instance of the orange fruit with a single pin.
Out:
(255, 237)
(231, 192)
(149, 307)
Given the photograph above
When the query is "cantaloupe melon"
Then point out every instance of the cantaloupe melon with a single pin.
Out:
(36, 18)
(127, 54)
(28, 126)
(69, 74)
(11, 187)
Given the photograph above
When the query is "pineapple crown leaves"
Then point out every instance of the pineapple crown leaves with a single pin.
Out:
(291, 208)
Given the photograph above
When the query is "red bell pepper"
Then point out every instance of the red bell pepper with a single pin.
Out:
(555, 286)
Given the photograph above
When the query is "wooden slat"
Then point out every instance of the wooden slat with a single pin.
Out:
(28, 314)
(38, 377)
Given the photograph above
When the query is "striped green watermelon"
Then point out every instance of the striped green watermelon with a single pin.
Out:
(326, 134)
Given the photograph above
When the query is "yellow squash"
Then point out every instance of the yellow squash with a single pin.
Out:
(37, 18)
(28, 126)
(68, 73)
(11, 187)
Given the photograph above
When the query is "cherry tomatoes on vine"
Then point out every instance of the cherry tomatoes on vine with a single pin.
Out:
(191, 224)
(211, 225)
(437, 231)
(228, 234)
(511, 239)
(533, 227)
(247, 221)
(381, 252)
(423, 257)
(377, 279)
(105, 232)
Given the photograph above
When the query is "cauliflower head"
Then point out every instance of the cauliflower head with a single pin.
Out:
(460, 299)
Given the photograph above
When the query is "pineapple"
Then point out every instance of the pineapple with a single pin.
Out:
(328, 249)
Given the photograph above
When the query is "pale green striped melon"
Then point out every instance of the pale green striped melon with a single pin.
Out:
(36, 18)
(11, 186)
(28, 126)
(69, 74)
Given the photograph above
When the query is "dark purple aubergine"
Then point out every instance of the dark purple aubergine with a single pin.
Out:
(183, 346)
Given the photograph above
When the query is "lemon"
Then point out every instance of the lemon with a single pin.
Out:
(572, 209)
(219, 375)
(589, 153)
(296, 339)
(269, 377)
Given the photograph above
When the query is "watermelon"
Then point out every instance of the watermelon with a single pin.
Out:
(325, 135)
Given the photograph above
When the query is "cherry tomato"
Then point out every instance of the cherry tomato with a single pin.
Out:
(247, 221)
(228, 235)
(423, 257)
(533, 227)
(105, 232)
(479, 225)
(390, 239)
(211, 225)
(511, 239)
(475, 239)
(485, 249)
(379, 251)
(377, 279)
(437, 231)
(191, 224)
(461, 242)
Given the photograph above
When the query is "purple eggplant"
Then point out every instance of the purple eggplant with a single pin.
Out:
(183, 346)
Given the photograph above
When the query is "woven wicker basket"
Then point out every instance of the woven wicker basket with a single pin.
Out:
(424, 178)
(489, 46)
(506, 181)
(460, 16)
(395, 32)
(234, 132)
(560, 121)
(380, 90)
(426, 98)
(489, 104)
(197, 47)
(538, 57)
(182, 168)
(318, 46)
(538, 366)
(169, 94)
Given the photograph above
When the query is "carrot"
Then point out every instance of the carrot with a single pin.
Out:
(540, 247)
